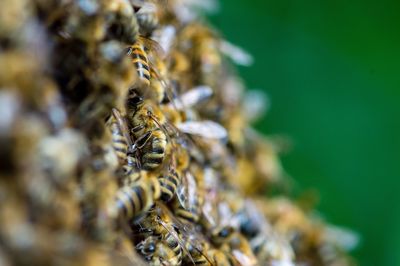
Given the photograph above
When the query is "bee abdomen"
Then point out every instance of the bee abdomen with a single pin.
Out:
(131, 200)
(175, 246)
(131, 166)
(139, 59)
(155, 156)
(190, 215)
(169, 184)
(155, 188)
(147, 21)
(119, 143)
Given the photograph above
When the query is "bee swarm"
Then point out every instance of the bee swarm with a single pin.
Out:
(125, 141)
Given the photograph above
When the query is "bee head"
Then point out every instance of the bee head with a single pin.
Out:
(134, 100)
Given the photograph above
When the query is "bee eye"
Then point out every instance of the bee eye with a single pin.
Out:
(135, 100)
(150, 248)
(224, 232)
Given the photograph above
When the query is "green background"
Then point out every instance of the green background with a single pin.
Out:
(331, 70)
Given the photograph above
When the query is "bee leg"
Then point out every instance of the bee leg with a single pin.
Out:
(140, 142)
(137, 128)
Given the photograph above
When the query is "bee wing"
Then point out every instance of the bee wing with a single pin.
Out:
(192, 189)
(182, 193)
(238, 55)
(205, 128)
(165, 37)
(153, 46)
(244, 259)
(255, 104)
(123, 126)
(194, 96)
(342, 237)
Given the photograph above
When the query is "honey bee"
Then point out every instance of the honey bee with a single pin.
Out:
(120, 136)
(194, 245)
(84, 22)
(121, 20)
(161, 226)
(203, 44)
(223, 228)
(265, 242)
(157, 252)
(146, 120)
(147, 18)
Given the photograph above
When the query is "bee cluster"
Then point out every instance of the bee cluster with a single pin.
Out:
(125, 140)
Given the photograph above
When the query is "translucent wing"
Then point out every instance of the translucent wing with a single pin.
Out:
(164, 211)
(243, 258)
(205, 128)
(182, 193)
(237, 54)
(165, 37)
(255, 104)
(194, 96)
(342, 237)
(122, 125)
(153, 46)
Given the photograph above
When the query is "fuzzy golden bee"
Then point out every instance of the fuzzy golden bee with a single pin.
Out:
(146, 122)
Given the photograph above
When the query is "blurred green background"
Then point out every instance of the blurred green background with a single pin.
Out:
(331, 69)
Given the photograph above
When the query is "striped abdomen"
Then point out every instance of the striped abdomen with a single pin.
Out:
(154, 152)
(131, 171)
(169, 184)
(139, 59)
(135, 199)
(191, 214)
(173, 244)
(119, 142)
(148, 21)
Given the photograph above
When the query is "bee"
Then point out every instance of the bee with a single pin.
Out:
(157, 252)
(85, 24)
(135, 199)
(203, 44)
(264, 241)
(147, 18)
(121, 20)
(121, 139)
(192, 242)
(223, 228)
(233, 242)
(198, 247)
(158, 224)
(146, 120)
